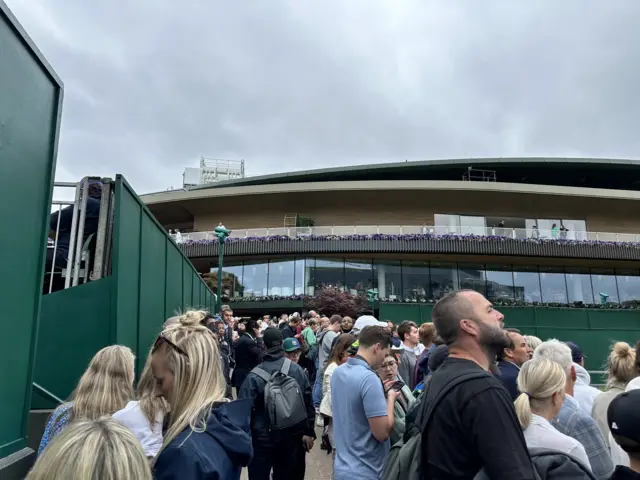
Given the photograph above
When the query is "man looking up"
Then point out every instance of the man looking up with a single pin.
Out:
(362, 417)
(510, 359)
(411, 350)
(473, 422)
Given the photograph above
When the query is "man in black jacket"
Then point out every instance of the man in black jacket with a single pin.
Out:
(286, 456)
(249, 350)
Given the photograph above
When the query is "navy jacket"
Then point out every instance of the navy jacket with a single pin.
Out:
(249, 353)
(219, 452)
(509, 376)
(253, 388)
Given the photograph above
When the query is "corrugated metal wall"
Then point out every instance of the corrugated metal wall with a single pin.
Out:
(30, 107)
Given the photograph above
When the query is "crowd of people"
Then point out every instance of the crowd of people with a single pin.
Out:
(460, 397)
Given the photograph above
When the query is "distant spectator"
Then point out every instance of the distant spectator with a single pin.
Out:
(291, 330)
(249, 352)
(325, 342)
(533, 342)
(388, 372)
(411, 350)
(346, 325)
(584, 393)
(427, 333)
(572, 420)
(511, 359)
(621, 369)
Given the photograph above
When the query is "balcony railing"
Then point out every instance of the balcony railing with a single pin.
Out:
(515, 233)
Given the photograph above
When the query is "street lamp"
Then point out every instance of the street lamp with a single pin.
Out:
(221, 234)
(372, 294)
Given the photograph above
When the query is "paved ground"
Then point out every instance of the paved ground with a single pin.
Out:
(319, 464)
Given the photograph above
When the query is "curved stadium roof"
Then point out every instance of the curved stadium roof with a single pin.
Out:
(569, 172)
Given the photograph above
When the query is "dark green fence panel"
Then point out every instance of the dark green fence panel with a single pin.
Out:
(75, 324)
(173, 291)
(30, 107)
(187, 284)
(195, 300)
(126, 264)
(519, 317)
(153, 276)
(154, 279)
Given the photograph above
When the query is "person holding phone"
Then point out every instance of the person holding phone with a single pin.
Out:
(388, 373)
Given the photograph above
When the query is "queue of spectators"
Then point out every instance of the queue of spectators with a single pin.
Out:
(461, 397)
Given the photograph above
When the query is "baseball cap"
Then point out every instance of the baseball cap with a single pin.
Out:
(576, 352)
(623, 416)
(291, 345)
(366, 321)
(272, 338)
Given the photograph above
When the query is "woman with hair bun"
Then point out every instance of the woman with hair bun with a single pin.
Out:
(621, 369)
(542, 382)
(206, 435)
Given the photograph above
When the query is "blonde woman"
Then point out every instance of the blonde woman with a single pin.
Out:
(89, 449)
(104, 388)
(542, 382)
(144, 417)
(621, 369)
(206, 435)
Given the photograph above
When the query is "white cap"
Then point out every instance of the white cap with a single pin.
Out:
(366, 321)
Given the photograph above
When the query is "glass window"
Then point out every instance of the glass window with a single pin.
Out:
(605, 289)
(576, 229)
(255, 279)
(232, 280)
(628, 285)
(309, 276)
(281, 273)
(549, 228)
(300, 275)
(579, 287)
(415, 281)
(526, 284)
(329, 273)
(444, 279)
(472, 225)
(499, 282)
(388, 279)
(472, 277)
(553, 284)
(446, 223)
(358, 276)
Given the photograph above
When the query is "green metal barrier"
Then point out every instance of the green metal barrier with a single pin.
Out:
(30, 108)
(151, 280)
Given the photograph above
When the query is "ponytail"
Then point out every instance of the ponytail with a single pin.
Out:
(523, 410)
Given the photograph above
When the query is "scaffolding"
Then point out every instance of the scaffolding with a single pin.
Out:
(477, 175)
(213, 170)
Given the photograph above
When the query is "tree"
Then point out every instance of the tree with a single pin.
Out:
(230, 282)
(330, 301)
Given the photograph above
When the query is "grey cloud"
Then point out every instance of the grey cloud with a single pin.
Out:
(151, 86)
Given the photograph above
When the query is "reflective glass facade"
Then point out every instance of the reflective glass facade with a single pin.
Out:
(422, 281)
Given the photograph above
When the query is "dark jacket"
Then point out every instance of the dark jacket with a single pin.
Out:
(552, 464)
(288, 332)
(248, 355)
(228, 336)
(509, 377)
(219, 452)
(253, 388)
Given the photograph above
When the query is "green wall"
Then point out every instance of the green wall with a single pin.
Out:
(151, 280)
(30, 106)
(593, 329)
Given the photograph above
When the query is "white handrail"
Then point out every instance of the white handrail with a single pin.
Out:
(417, 230)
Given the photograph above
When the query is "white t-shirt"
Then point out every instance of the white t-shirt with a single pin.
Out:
(541, 434)
(132, 417)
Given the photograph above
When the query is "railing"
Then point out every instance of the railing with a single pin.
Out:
(47, 394)
(415, 230)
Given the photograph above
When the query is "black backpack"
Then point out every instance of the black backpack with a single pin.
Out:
(405, 458)
(283, 401)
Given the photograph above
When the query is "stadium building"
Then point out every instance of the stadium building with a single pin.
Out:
(555, 242)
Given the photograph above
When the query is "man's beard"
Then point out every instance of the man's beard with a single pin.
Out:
(492, 340)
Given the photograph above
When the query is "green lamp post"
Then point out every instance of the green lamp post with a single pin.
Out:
(372, 294)
(221, 234)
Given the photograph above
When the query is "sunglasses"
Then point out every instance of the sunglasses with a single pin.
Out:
(162, 339)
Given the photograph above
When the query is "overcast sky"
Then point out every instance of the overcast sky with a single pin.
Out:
(151, 85)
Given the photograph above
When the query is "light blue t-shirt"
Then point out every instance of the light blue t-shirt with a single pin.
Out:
(356, 396)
